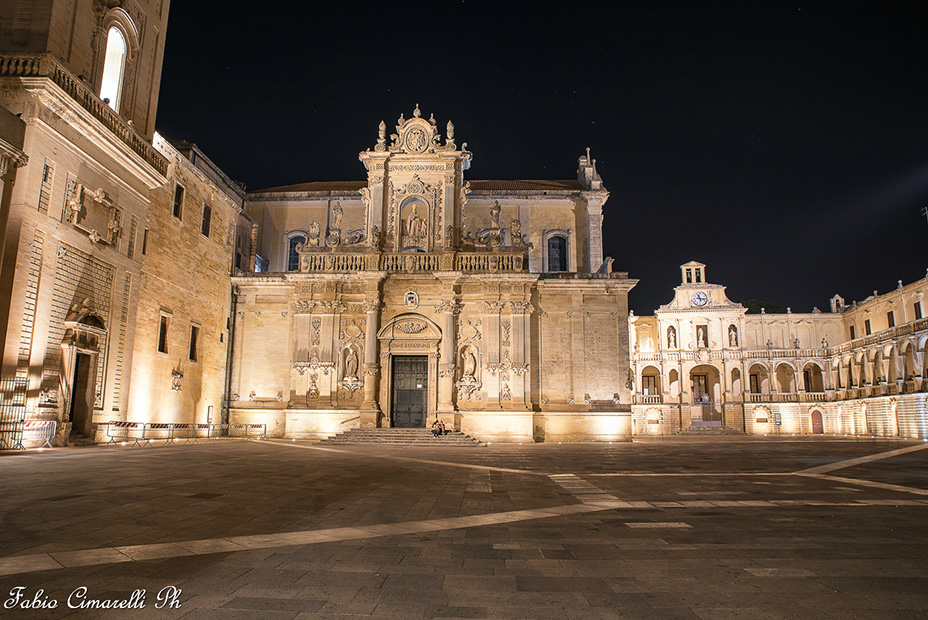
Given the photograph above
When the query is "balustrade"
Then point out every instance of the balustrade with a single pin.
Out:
(314, 261)
(46, 65)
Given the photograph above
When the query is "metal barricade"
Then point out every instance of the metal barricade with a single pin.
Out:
(184, 431)
(202, 430)
(248, 432)
(159, 430)
(124, 431)
(219, 431)
(257, 431)
(40, 430)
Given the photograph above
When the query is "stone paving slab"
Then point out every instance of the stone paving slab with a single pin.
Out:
(266, 531)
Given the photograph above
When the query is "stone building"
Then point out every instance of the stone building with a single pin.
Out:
(89, 244)
(138, 282)
(701, 360)
(419, 294)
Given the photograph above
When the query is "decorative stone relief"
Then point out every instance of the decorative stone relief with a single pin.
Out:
(177, 381)
(410, 327)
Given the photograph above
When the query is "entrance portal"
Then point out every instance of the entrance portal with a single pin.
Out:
(410, 391)
(81, 403)
(818, 426)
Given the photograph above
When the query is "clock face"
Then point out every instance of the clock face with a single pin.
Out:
(700, 298)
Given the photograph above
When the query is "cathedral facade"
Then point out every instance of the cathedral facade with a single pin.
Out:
(419, 294)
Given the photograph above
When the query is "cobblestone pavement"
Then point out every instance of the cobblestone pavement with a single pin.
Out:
(708, 529)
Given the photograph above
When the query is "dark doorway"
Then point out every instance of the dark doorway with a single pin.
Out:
(410, 391)
(818, 426)
(81, 394)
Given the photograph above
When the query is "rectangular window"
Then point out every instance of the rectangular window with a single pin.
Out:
(178, 200)
(45, 191)
(853, 334)
(918, 310)
(867, 327)
(689, 276)
(145, 242)
(163, 334)
(194, 336)
(891, 318)
(207, 217)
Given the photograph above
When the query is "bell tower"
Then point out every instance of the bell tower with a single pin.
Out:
(415, 190)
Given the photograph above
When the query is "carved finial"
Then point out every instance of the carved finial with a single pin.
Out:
(401, 120)
(381, 131)
(588, 153)
(416, 113)
(450, 130)
(432, 120)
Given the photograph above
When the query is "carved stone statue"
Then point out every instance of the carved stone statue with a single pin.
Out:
(494, 214)
(336, 217)
(113, 227)
(671, 338)
(515, 233)
(365, 196)
(75, 202)
(414, 225)
(351, 364)
(733, 336)
(469, 365)
(701, 336)
(313, 239)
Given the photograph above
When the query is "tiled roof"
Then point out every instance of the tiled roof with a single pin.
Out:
(522, 185)
(481, 187)
(350, 187)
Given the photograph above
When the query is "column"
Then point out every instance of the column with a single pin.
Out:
(370, 409)
(448, 309)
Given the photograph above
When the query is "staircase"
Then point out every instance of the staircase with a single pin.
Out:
(710, 431)
(401, 437)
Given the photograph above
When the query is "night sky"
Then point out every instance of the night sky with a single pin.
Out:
(785, 145)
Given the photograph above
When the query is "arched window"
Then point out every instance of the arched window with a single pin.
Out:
(114, 65)
(557, 253)
(293, 257)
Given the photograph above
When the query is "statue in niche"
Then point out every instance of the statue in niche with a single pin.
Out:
(351, 364)
(469, 366)
(701, 336)
(415, 225)
(733, 336)
(313, 239)
(671, 338)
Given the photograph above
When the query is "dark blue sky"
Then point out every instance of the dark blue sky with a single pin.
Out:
(785, 145)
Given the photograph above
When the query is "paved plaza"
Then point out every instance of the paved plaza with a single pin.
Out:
(701, 529)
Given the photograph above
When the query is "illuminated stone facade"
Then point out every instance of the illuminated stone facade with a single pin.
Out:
(858, 370)
(140, 283)
(497, 288)
(92, 252)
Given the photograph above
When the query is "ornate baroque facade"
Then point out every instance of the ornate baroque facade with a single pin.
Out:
(701, 360)
(420, 294)
(139, 283)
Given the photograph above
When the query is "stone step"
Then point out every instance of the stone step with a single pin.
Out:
(401, 437)
(710, 430)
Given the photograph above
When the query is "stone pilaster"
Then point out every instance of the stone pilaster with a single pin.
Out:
(370, 409)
